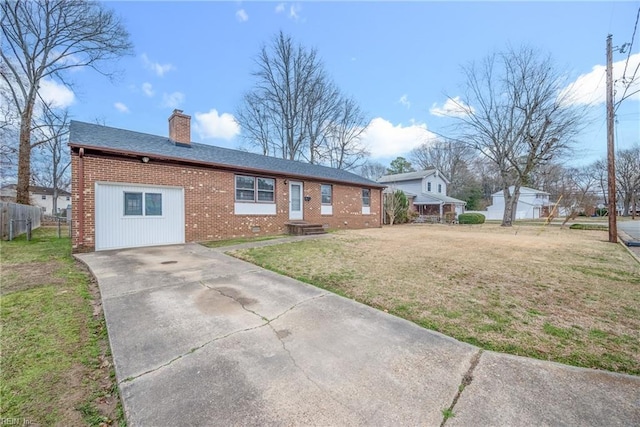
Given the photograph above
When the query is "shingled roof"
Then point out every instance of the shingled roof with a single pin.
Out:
(126, 142)
(410, 176)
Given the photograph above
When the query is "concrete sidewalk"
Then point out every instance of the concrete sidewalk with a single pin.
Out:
(201, 338)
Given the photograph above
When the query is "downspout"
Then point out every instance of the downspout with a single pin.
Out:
(81, 197)
(381, 218)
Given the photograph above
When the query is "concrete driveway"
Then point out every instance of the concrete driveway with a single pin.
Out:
(201, 338)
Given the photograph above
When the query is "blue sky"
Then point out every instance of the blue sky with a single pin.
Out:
(400, 60)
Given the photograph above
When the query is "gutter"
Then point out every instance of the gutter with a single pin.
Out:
(236, 168)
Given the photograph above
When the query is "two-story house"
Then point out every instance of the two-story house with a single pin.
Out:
(39, 196)
(532, 204)
(426, 191)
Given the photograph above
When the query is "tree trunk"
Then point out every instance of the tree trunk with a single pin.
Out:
(24, 156)
(510, 206)
(626, 204)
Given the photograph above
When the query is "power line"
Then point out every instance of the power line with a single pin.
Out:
(635, 27)
(633, 77)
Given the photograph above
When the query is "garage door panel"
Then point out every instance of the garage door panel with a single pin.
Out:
(117, 227)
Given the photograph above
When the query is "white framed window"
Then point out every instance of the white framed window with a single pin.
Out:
(327, 194)
(366, 201)
(142, 204)
(44, 197)
(152, 204)
(132, 204)
(255, 189)
(439, 188)
(429, 186)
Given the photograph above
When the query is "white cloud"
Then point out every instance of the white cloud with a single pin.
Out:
(294, 11)
(404, 100)
(214, 125)
(156, 67)
(148, 89)
(383, 139)
(242, 16)
(56, 94)
(121, 107)
(590, 88)
(172, 100)
(451, 108)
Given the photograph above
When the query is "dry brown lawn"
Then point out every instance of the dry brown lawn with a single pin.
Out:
(551, 293)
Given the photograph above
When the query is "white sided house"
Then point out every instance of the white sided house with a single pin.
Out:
(532, 204)
(426, 191)
(41, 197)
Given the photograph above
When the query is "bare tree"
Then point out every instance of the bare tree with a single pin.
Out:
(43, 39)
(488, 176)
(343, 149)
(628, 177)
(576, 191)
(514, 113)
(599, 169)
(373, 170)
(8, 138)
(273, 113)
(54, 158)
(450, 157)
(296, 112)
(547, 177)
(321, 110)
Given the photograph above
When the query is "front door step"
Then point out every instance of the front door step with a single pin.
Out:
(302, 228)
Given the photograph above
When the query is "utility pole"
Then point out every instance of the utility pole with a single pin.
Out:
(611, 162)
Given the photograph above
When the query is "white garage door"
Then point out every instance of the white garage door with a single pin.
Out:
(131, 215)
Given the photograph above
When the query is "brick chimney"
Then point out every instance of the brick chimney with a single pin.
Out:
(180, 128)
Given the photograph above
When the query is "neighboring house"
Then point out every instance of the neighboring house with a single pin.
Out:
(532, 204)
(132, 189)
(39, 196)
(426, 191)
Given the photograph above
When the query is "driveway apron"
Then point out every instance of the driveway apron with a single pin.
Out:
(201, 338)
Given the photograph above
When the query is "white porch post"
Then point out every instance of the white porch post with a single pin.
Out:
(441, 204)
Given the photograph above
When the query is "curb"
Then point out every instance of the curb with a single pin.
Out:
(624, 240)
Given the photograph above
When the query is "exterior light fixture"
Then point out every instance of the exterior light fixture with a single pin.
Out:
(145, 159)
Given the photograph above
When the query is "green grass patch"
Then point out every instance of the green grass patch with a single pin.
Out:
(595, 227)
(559, 332)
(239, 240)
(51, 342)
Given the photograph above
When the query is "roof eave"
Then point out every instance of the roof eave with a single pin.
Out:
(128, 153)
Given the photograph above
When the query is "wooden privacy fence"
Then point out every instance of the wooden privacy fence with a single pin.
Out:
(15, 218)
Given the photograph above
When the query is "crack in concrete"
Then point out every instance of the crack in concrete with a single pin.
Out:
(467, 378)
(236, 300)
(298, 304)
(267, 322)
(192, 350)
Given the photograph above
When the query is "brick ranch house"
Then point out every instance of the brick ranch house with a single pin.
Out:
(131, 189)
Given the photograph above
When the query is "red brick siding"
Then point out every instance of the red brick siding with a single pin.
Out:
(209, 200)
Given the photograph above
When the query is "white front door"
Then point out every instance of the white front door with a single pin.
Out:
(295, 200)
